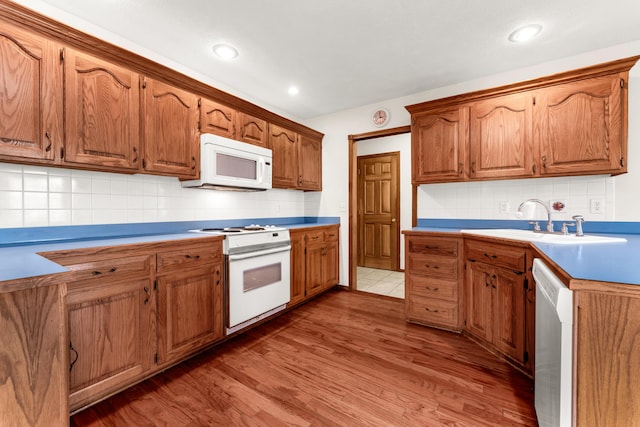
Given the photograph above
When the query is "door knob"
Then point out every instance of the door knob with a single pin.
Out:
(393, 220)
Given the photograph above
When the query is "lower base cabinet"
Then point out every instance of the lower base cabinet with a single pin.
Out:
(315, 258)
(136, 309)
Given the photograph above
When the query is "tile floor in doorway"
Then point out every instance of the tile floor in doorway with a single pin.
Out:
(383, 282)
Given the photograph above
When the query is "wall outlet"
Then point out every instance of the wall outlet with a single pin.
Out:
(504, 207)
(597, 206)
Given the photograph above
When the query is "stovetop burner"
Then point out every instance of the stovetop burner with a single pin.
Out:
(241, 229)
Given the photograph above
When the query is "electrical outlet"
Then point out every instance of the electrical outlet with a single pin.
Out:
(597, 206)
(504, 207)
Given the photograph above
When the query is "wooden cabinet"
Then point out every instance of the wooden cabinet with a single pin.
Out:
(572, 123)
(102, 113)
(310, 163)
(432, 280)
(284, 144)
(315, 260)
(30, 101)
(251, 129)
(582, 126)
(190, 297)
(170, 130)
(217, 119)
(606, 364)
(500, 137)
(438, 146)
(110, 309)
(496, 283)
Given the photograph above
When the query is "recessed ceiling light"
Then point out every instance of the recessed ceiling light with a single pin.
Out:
(525, 33)
(225, 51)
(293, 90)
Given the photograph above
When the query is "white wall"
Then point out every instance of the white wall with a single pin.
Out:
(482, 200)
(401, 143)
(33, 196)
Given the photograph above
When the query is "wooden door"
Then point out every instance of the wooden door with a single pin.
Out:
(438, 146)
(284, 144)
(508, 312)
(378, 211)
(189, 311)
(580, 126)
(501, 137)
(251, 129)
(109, 335)
(478, 300)
(102, 113)
(297, 267)
(170, 117)
(30, 96)
(310, 163)
(217, 119)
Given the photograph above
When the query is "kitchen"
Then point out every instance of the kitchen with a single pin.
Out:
(103, 198)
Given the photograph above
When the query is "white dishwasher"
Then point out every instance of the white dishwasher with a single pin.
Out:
(554, 342)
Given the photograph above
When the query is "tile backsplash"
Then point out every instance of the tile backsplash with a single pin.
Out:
(500, 199)
(33, 196)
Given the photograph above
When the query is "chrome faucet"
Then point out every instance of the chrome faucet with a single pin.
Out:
(579, 219)
(546, 208)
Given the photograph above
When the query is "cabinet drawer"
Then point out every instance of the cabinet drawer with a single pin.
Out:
(494, 254)
(431, 288)
(94, 272)
(421, 309)
(188, 257)
(314, 236)
(432, 246)
(330, 235)
(433, 266)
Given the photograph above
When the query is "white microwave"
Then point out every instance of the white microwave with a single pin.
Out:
(226, 164)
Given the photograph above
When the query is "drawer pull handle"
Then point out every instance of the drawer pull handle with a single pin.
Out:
(147, 295)
(75, 356)
(431, 311)
(98, 272)
(491, 256)
(435, 267)
(432, 289)
(192, 257)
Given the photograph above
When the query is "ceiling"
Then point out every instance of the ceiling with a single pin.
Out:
(343, 54)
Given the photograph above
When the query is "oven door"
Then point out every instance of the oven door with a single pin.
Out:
(257, 283)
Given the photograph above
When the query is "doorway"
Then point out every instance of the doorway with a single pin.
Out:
(378, 144)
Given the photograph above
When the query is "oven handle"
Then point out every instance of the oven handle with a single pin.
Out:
(254, 254)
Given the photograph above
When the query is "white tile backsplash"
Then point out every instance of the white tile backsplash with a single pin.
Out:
(482, 200)
(33, 196)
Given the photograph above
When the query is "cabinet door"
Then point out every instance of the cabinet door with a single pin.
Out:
(217, 119)
(331, 271)
(110, 337)
(189, 311)
(252, 130)
(478, 300)
(297, 267)
(438, 146)
(284, 144)
(30, 96)
(508, 312)
(581, 126)
(310, 163)
(102, 113)
(314, 268)
(170, 118)
(500, 137)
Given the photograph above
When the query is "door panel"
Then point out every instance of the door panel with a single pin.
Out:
(378, 200)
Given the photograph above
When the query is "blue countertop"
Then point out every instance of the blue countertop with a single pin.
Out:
(606, 262)
(19, 247)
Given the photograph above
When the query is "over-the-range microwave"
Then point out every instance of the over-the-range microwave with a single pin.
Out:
(226, 164)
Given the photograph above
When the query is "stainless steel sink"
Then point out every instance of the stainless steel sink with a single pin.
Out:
(531, 236)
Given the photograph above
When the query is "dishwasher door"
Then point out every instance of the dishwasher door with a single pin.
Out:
(553, 362)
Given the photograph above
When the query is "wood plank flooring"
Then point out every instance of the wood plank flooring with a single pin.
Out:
(344, 359)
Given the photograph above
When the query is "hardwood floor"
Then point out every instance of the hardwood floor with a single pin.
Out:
(344, 359)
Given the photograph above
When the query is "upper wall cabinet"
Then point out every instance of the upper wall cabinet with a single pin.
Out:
(439, 144)
(102, 113)
(284, 144)
(574, 123)
(582, 125)
(309, 163)
(217, 119)
(500, 137)
(30, 108)
(170, 116)
(252, 130)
